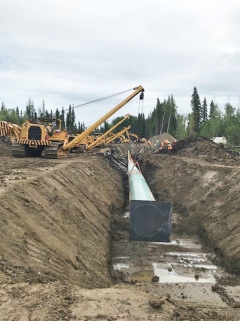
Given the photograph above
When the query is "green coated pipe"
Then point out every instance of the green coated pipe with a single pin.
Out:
(138, 187)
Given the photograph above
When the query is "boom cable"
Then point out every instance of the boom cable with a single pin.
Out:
(100, 99)
(110, 119)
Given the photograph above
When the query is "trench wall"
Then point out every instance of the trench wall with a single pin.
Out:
(207, 197)
(57, 226)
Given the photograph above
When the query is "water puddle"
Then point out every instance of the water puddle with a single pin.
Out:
(186, 262)
(181, 275)
(120, 266)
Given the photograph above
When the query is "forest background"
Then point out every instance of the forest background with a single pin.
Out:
(204, 120)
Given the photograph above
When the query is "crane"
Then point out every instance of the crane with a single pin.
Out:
(66, 147)
(123, 131)
(36, 138)
(101, 139)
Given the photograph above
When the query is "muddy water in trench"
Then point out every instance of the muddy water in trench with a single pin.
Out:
(182, 266)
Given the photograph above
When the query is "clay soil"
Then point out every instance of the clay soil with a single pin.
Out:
(60, 218)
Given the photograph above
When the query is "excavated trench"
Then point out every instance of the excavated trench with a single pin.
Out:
(67, 220)
(191, 265)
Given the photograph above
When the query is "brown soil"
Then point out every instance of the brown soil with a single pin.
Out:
(202, 179)
(56, 233)
(205, 149)
(5, 150)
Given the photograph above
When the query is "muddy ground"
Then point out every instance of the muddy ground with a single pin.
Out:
(64, 224)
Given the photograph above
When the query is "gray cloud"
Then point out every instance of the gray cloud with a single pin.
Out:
(73, 52)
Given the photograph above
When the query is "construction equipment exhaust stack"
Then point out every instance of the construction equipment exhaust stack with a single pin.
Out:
(150, 220)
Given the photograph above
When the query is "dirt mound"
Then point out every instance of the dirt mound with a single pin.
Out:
(5, 150)
(161, 138)
(202, 148)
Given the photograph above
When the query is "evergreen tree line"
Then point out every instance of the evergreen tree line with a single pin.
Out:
(163, 118)
(210, 121)
(30, 113)
(204, 120)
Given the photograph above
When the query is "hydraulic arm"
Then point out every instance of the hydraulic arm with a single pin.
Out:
(101, 139)
(133, 135)
(123, 131)
(80, 137)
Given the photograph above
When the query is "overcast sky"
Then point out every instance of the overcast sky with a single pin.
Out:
(75, 51)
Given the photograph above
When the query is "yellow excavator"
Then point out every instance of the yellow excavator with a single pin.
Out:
(129, 135)
(124, 139)
(117, 135)
(104, 137)
(136, 138)
(38, 138)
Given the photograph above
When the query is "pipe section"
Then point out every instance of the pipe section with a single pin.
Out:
(150, 220)
(138, 187)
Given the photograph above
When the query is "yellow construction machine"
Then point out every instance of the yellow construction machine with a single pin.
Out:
(36, 138)
(128, 139)
(136, 138)
(129, 135)
(117, 135)
(65, 148)
(9, 130)
(48, 139)
(102, 139)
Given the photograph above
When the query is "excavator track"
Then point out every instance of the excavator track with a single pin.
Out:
(52, 150)
(18, 150)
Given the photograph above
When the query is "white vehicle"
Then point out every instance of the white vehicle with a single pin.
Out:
(220, 140)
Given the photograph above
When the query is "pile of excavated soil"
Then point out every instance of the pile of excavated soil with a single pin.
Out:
(202, 148)
(5, 150)
(161, 138)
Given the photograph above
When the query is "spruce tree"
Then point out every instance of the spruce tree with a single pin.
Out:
(143, 133)
(213, 109)
(43, 110)
(159, 115)
(17, 111)
(204, 111)
(57, 114)
(172, 119)
(73, 118)
(62, 117)
(69, 119)
(196, 109)
(30, 110)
